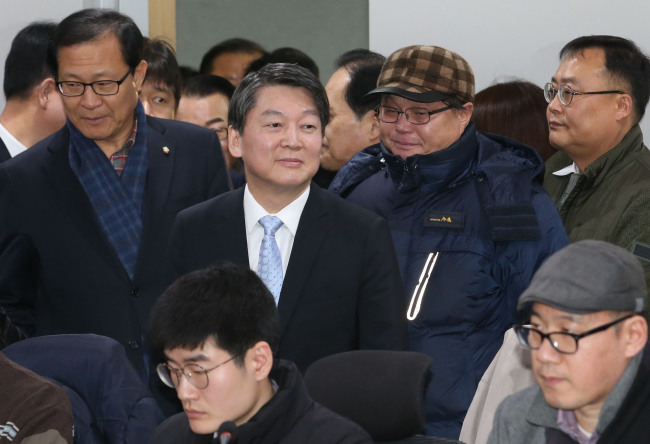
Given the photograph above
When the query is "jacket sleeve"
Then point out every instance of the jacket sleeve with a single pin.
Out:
(381, 309)
(633, 231)
(18, 260)
(521, 259)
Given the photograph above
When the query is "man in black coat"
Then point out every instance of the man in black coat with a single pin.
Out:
(86, 213)
(337, 284)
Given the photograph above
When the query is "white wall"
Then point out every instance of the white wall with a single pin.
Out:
(16, 14)
(505, 38)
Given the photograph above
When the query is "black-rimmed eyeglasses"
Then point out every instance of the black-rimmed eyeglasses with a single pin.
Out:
(194, 373)
(565, 93)
(566, 343)
(416, 116)
(100, 87)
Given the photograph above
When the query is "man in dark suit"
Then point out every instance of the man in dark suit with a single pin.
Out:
(33, 110)
(330, 265)
(86, 213)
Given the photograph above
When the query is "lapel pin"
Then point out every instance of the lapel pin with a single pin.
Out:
(165, 151)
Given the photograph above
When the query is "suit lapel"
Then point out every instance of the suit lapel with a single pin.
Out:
(312, 231)
(4, 152)
(162, 157)
(74, 202)
(230, 231)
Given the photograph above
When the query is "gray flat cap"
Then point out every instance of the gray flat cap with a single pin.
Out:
(587, 277)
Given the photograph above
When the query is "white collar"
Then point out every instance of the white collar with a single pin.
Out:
(573, 168)
(290, 214)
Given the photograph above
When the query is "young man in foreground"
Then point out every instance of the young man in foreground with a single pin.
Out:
(218, 328)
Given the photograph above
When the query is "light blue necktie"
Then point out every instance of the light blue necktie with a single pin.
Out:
(269, 268)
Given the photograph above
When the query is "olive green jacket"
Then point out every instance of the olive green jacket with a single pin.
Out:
(611, 199)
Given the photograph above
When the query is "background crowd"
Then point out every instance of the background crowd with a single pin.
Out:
(390, 207)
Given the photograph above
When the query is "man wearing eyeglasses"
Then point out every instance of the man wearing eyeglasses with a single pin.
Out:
(85, 215)
(600, 179)
(204, 102)
(218, 328)
(468, 214)
(588, 342)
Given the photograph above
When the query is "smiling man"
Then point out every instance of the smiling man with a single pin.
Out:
(329, 264)
(85, 215)
(588, 343)
(218, 328)
(600, 179)
(469, 218)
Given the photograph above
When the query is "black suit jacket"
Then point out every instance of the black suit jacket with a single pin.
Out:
(58, 272)
(4, 152)
(342, 290)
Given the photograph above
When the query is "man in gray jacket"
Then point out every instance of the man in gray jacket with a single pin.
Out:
(593, 373)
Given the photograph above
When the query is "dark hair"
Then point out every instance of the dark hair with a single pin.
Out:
(515, 109)
(204, 85)
(162, 66)
(358, 56)
(229, 46)
(225, 302)
(363, 67)
(275, 74)
(88, 25)
(624, 61)
(286, 55)
(26, 65)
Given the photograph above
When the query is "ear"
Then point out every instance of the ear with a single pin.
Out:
(234, 142)
(635, 335)
(465, 114)
(370, 125)
(45, 91)
(624, 106)
(260, 357)
(139, 74)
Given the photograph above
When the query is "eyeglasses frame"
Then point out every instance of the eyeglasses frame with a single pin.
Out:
(549, 87)
(399, 113)
(176, 371)
(92, 86)
(520, 328)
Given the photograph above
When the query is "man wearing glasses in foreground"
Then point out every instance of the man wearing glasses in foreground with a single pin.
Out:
(469, 218)
(600, 179)
(588, 338)
(85, 214)
(218, 328)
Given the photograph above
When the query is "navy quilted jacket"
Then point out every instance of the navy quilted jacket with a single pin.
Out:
(470, 223)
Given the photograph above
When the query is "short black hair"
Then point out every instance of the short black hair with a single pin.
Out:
(363, 67)
(624, 62)
(234, 45)
(286, 55)
(224, 302)
(88, 25)
(26, 65)
(358, 56)
(204, 85)
(276, 74)
(162, 66)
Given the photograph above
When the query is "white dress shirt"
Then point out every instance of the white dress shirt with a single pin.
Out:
(13, 145)
(290, 217)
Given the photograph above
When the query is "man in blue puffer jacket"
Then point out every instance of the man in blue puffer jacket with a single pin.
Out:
(469, 219)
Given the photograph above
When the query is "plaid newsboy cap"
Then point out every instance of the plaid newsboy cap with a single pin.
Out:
(426, 74)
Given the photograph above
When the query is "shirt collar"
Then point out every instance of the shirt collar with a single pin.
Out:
(290, 215)
(570, 169)
(13, 145)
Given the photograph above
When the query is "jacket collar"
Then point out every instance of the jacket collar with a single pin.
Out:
(437, 169)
